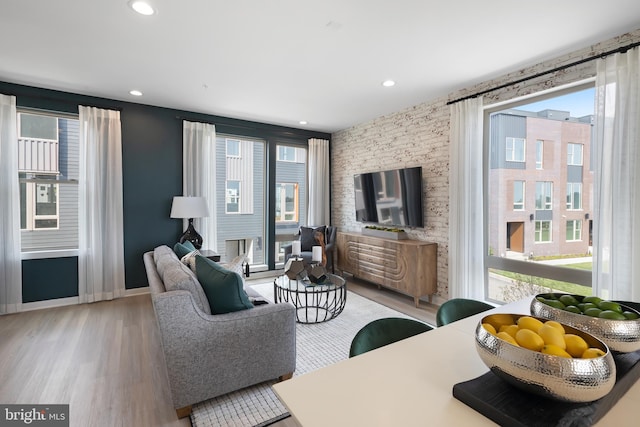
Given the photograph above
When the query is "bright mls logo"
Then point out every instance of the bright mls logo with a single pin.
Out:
(34, 415)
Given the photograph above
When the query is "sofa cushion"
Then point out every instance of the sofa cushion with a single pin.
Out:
(224, 289)
(308, 238)
(181, 249)
(177, 276)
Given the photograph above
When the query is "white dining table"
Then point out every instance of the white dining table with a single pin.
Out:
(409, 383)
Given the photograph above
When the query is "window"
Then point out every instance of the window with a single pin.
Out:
(519, 226)
(539, 153)
(286, 153)
(574, 154)
(544, 195)
(574, 230)
(574, 196)
(286, 202)
(233, 147)
(233, 197)
(48, 165)
(514, 150)
(543, 231)
(518, 195)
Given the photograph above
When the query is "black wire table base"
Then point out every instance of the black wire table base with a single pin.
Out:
(314, 302)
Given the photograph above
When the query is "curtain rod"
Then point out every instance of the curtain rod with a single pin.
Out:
(622, 49)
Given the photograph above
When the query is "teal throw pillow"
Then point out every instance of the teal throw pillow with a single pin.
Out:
(224, 289)
(181, 249)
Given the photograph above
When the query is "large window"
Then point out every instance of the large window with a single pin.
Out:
(518, 195)
(527, 233)
(544, 195)
(515, 149)
(574, 196)
(48, 166)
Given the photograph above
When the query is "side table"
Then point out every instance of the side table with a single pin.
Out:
(314, 302)
(208, 253)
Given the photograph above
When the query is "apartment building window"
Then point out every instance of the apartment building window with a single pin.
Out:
(233, 197)
(286, 153)
(539, 153)
(574, 230)
(544, 195)
(574, 196)
(48, 165)
(543, 232)
(515, 149)
(286, 201)
(518, 195)
(574, 154)
(233, 147)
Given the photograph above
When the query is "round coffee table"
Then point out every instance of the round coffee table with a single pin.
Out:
(314, 302)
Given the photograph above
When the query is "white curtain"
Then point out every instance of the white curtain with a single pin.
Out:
(466, 249)
(199, 175)
(101, 248)
(616, 266)
(319, 187)
(10, 263)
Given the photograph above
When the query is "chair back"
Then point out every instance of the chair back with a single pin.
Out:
(385, 331)
(459, 308)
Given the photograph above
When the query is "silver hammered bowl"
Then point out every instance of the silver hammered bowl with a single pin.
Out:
(555, 377)
(619, 335)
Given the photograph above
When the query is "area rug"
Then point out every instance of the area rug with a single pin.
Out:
(317, 346)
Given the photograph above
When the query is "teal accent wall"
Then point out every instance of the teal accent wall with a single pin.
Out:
(152, 175)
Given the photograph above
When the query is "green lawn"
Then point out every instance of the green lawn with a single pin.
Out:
(557, 285)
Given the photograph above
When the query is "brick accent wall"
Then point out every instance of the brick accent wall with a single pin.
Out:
(419, 136)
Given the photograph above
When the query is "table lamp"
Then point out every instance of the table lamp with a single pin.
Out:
(189, 208)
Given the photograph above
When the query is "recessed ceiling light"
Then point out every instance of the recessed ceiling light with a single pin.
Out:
(143, 8)
(135, 92)
(388, 83)
(303, 122)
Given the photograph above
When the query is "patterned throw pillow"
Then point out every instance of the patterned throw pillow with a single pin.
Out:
(190, 259)
(235, 264)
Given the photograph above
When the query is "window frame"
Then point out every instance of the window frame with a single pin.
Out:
(228, 195)
(539, 154)
(575, 230)
(570, 196)
(571, 154)
(495, 260)
(280, 191)
(538, 232)
(546, 199)
(523, 187)
(513, 150)
(237, 143)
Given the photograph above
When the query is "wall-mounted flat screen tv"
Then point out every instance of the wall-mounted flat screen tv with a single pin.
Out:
(390, 198)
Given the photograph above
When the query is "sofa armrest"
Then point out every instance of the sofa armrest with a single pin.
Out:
(210, 355)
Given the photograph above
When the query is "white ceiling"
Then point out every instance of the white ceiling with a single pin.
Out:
(282, 61)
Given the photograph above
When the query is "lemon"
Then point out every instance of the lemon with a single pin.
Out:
(552, 336)
(500, 319)
(510, 329)
(592, 352)
(576, 345)
(528, 322)
(508, 338)
(556, 325)
(489, 327)
(555, 351)
(528, 339)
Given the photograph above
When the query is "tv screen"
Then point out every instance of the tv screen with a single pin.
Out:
(391, 197)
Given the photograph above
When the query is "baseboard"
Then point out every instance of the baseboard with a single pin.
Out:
(63, 302)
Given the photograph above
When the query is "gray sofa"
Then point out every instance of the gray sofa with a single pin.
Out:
(210, 355)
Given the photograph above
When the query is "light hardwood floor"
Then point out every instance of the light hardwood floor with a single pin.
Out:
(104, 359)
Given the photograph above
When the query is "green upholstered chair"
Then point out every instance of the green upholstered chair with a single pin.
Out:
(459, 308)
(385, 331)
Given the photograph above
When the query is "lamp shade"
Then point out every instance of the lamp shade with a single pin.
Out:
(189, 207)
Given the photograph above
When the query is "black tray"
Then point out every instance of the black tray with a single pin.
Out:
(512, 407)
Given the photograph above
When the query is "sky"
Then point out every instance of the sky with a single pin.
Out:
(578, 103)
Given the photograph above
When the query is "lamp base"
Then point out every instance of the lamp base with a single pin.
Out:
(192, 236)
